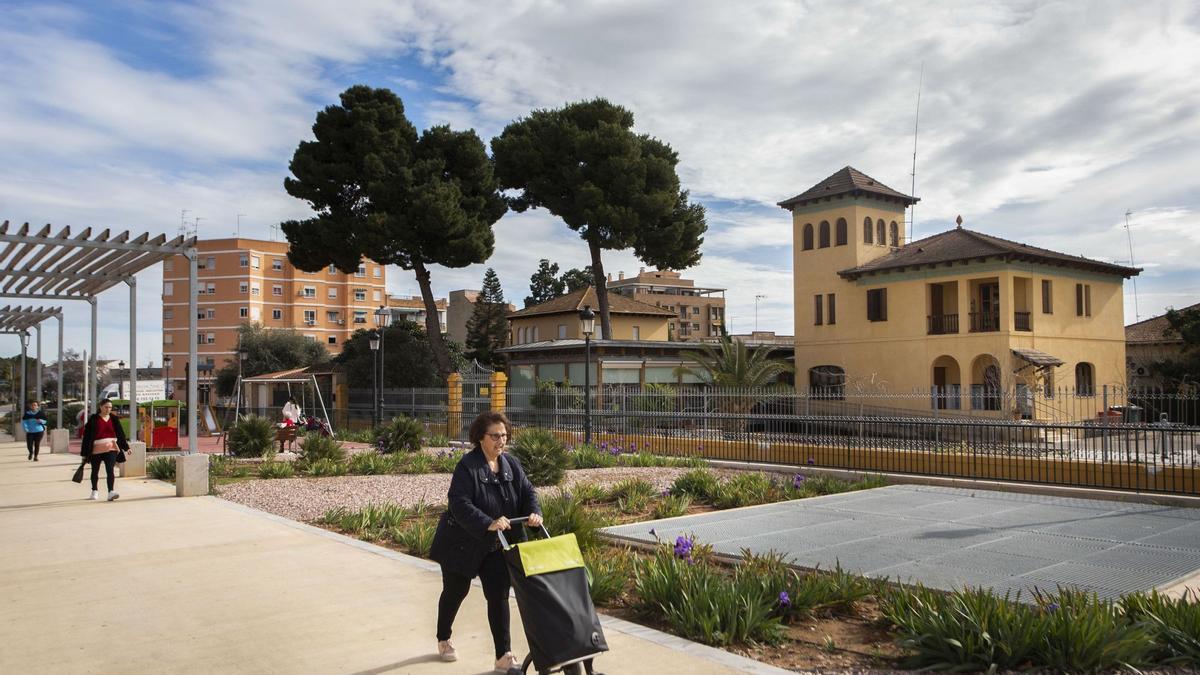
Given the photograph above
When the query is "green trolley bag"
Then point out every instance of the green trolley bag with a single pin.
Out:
(550, 582)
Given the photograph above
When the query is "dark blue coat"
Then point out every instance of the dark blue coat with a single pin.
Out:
(475, 499)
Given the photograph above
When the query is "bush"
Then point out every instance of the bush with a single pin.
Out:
(587, 456)
(402, 434)
(162, 468)
(551, 396)
(370, 522)
(590, 493)
(747, 489)
(445, 462)
(417, 462)
(317, 447)
(564, 513)
(416, 538)
(543, 456)
(1174, 622)
(370, 464)
(363, 436)
(274, 469)
(610, 571)
(437, 441)
(253, 436)
(325, 467)
(632, 487)
(699, 484)
(671, 506)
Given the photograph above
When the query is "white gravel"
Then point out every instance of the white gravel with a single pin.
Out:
(307, 499)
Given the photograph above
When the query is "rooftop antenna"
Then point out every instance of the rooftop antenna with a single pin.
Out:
(912, 208)
(756, 299)
(1137, 316)
(196, 226)
(183, 222)
(238, 232)
(274, 232)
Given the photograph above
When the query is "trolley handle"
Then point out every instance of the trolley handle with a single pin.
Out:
(504, 542)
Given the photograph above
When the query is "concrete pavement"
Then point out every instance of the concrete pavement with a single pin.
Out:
(155, 583)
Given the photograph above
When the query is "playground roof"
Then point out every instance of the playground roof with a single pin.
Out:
(20, 319)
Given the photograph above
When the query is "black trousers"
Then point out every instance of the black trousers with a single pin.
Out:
(493, 574)
(109, 460)
(34, 442)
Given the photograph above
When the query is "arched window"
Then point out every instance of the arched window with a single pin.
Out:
(880, 233)
(827, 382)
(1085, 379)
(823, 236)
(895, 235)
(868, 238)
(840, 234)
(808, 237)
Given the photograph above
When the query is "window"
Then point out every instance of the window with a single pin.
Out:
(841, 235)
(168, 339)
(243, 312)
(831, 307)
(168, 288)
(243, 287)
(333, 269)
(211, 263)
(255, 262)
(255, 313)
(823, 235)
(828, 382)
(360, 316)
(211, 338)
(310, 317)
(276, 290)
(309, 292)
(212, 289)
(332, 293)
(1048, 384)
(168, 314)
(277, 264)
(808, 237)
(360, 294)
(255, 289)
(277, 314)
(244, 260)
(880, 233)
(168, 265)
(1047, 297)
(331, 317)
(377, 295)
(817, 304)
(877, 304)
(377, 272)
(199, 338)
(895, 234)
(310, 338)
(361, 271)
(210, 313)
(562, 331)
(1085, 379)
(637, 332)
(1083, 299)
(867, 230)
(695, 310)
(332, 339)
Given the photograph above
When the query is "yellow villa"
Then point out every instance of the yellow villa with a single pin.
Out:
(972, 321)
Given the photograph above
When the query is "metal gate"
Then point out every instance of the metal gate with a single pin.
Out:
(476, 393)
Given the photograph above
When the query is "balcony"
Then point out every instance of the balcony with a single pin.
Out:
(1021, 321)
(943, 324)
(985, 322)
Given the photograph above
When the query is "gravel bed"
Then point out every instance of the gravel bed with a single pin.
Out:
(307, 499)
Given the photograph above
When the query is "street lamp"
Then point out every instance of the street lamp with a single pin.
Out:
(587, 325)
(167, 377)
(383, 319)
(120, 382)
(374, 342)
(243, 354)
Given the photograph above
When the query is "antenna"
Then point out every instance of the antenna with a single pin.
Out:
(756, 299)
(196, 226)
(912, 209)
(183, 222)
(238, 232)
(1137, 316)
(274, 232)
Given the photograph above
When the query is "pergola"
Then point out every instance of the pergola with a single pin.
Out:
(38, 265)
(17, 321)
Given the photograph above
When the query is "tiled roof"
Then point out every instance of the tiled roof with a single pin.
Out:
(1038, 358)
(961, 245)
(847, 181)
(1156, 329)
(573, 302)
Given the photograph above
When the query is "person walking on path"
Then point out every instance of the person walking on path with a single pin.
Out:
(34, 423)
(488, 487)
(103, 439)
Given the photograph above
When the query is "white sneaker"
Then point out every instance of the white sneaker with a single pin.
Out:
(506, 663)
(113, 496)
(95, 496)
(446, 651)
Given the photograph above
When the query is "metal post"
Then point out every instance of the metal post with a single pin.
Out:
(37, 394)
(24, 385)
(93, 388)
(375, 388)
(59, 316)
(587, 388)
(382, 368)
(192, 394)
(86, 383)
(1104, 427)
(133, 402)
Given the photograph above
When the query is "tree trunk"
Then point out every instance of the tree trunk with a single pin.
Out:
(433, 327)
(601, 285)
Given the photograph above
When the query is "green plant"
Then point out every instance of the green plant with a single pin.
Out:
(402, 434)
(1082, 633)
(564, 513)
(318, 447)
(746, 489)
(1174, 623)
(699, 484)
(590, 493)
(437, 441)
(253, 436)
(632, 487)
(551, 396)
(671, 506)
(417, 537)
(417, 462)
(362, 436)
(445, 462)
(371, 520)
(587, 456)
(633, 505)
(610, 571)
(274, 469)
(325, 467)
(370, 464)
(161, 468)
(543, 456)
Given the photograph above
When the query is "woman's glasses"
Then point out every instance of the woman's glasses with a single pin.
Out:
(498, 437)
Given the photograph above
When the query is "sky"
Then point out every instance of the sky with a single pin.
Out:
(1043, 122)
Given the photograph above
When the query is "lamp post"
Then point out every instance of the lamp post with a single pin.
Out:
(120, 382)
(243, 354)
(587, 325)
(167, 377)
(374, 342)
(383, 319)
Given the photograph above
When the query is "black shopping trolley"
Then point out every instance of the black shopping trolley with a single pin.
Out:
(551, 584)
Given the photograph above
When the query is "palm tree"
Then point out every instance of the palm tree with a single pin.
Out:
(742, 373)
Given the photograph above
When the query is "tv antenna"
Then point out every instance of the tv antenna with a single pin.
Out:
(238, 233)
(756, 299)
(183, 222)
(274, 232)
(912, 208)
(1137, 316)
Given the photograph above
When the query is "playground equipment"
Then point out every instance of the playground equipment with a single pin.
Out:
(120, 408)
(160, 423)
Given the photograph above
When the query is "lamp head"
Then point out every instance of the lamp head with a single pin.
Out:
(383, 317)
(374, 342)
(587, 320)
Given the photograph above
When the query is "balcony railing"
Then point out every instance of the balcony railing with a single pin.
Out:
(985, 322)
(943, 324)
(1021, 321)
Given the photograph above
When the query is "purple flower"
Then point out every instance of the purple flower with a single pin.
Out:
(614, 451)
(798, 481)
(653, 533)
(1052, 607)
(811, 461)
(603, 445)
(784, 599)
(633, 446)
(700, 447)
(683, 547)
(666, 492)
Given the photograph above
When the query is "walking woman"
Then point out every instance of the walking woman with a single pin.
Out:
(488, 487)
(103, 438)
(34, 423)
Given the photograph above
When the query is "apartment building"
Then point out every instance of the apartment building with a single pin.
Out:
(699, 312)
(976, 321)
(250, 280)
(412, 308)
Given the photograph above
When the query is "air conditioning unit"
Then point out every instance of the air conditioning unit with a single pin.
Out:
(341, 322)
(310, 323)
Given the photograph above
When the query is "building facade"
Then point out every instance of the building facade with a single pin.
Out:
(412, 308)
(978, 322)
(558, 319)
(1149, 342)
(459, 308)
(699, 312)
(250, 280)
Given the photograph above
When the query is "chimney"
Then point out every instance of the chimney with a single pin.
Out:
(641, 271)
(610, 277)
(620, 276)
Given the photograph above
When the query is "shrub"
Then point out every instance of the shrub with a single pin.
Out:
(542, 454)
(317, 447)
(370, 521)
(610, 571)
(747, 489)
(1082, 633)
(370, 464)
(276, 470)
(362, 436)
(437, 441)
(1174, 622)
(417, 462)
(590, 493)
(633, 487)
(671, 506)
(587, 456)
(402, 434)
(162, 468)
(416, 537)
(446, 461)
(699, 484)
(551, 396)
(564, 513)
(325, 467)
(253, 436)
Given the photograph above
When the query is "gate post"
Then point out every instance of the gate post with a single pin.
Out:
(454, 404)
(499, 391)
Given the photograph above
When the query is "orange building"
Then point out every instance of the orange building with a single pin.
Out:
(699, 312)
(250, 280)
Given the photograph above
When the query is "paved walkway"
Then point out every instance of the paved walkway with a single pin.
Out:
(154, 583)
